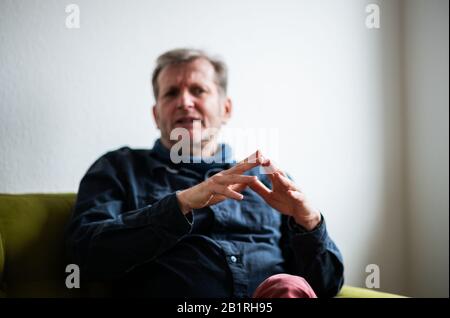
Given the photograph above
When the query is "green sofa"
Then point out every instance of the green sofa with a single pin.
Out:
(32, 261)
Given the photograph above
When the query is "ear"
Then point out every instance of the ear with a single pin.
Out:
(155, 115)
(228, 109)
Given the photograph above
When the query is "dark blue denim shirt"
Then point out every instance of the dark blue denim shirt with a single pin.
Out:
(127, 217)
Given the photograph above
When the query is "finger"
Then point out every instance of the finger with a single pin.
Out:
(282, 173)
(274, 180)
(248, 163)
(255, 157)
(284, 181)
(267, 167)
(235, 178)
(261, 189)
(238, 187)
(297, 195)
(225, 191)
(294, 194)
(271, 168)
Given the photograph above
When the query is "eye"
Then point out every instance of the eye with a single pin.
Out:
(197, 91)
(171, 93)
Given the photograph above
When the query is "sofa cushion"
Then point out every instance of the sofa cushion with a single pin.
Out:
(356, 292)
(32, 229)
(32, 257)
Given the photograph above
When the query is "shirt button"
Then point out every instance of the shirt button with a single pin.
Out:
(233, 259)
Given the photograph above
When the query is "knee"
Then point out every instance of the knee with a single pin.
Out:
(284, 286)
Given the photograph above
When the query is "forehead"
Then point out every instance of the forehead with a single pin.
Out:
(196, 71)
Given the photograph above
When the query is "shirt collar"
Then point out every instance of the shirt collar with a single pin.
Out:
(222, 159)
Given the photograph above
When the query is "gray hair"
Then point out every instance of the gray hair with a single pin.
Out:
(185, 55)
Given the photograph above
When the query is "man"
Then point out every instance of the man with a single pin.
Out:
(198, 228)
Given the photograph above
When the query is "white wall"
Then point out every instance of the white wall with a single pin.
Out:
(310, 69)
(427, 104)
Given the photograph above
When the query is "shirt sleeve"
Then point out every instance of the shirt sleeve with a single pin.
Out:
(105, 239)
(314, 256)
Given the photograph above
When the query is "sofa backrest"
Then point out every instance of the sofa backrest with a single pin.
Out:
(32, 257)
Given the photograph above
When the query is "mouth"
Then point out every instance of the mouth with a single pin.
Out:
(188, 121)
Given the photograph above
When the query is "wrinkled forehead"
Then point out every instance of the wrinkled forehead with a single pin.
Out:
(199, 71)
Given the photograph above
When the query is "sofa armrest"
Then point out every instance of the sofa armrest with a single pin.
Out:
(356, 292)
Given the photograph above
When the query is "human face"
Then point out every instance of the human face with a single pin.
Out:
(189, 92)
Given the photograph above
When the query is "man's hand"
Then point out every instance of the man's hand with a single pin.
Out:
(223, 185)
(287, 198)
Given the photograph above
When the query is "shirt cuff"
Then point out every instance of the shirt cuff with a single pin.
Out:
(293, 226)
(309, 240)
(169, 217)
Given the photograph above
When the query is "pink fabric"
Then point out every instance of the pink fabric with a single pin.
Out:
(284, 286)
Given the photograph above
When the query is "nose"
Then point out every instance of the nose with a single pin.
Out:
(185, 100)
